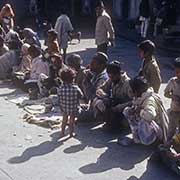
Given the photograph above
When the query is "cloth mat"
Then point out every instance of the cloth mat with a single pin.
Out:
(35, 111)
(51, 120)
(17, 98)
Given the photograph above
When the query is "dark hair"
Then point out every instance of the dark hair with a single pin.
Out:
(177, 62)
(68, 75)
(34, 49)
(101, 58)
(53, 33)
(114, 67)
(139, 84)
(64, 10)
(99, 4)
(58, 60)
(74, 59)
(147, 46)
(14, 45)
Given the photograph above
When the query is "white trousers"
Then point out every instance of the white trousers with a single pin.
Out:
(144, 27)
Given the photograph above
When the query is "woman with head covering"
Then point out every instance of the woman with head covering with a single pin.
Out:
(25, 65)
(6, 17)
(30, 37)
(8, 60)
(20, 72)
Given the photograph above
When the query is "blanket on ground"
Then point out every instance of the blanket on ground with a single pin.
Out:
(36, 111)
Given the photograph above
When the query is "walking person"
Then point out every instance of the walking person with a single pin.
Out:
(33, 9)
(63, 27)
(161, 19)
(104, 32)
(144, 11)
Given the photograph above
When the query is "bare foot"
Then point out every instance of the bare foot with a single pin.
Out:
(72, 135)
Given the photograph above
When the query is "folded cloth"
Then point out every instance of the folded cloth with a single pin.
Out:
(31, 81)
(17, 98)
(35, 109)
(44, 120)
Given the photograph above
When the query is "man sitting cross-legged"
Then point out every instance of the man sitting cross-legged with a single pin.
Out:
(113, 96)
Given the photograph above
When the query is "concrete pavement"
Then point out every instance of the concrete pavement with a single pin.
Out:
(126, 29)
(93, 154)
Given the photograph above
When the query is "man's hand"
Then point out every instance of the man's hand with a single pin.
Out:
(53, 90)
(99, 104)
(88, 74)
(100, 93)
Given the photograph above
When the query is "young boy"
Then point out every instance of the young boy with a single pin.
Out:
(75, 62)
(172, 91)
(52, 43)
(150, 69)
(69, 96)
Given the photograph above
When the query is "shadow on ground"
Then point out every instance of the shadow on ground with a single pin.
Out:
(117, 157)
(154, 168)
(114, 156)
(39, 150)
(91, 135)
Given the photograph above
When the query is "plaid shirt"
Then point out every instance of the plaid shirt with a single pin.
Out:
(69, 96)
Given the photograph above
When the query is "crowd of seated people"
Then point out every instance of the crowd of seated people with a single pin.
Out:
(108, 93)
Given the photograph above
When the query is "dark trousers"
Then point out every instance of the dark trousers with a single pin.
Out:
(102, 48)
(19, 83)
(114, 120)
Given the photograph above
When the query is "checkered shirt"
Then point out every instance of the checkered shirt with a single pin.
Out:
(69, 96)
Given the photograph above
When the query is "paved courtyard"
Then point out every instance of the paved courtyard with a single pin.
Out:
(93, 154)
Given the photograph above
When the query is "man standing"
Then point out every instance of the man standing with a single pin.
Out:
(104, 32)
(144, 12)
(63, 27)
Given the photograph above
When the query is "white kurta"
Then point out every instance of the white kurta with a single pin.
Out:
(38, 67)
(63, 26)
(7, 61)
